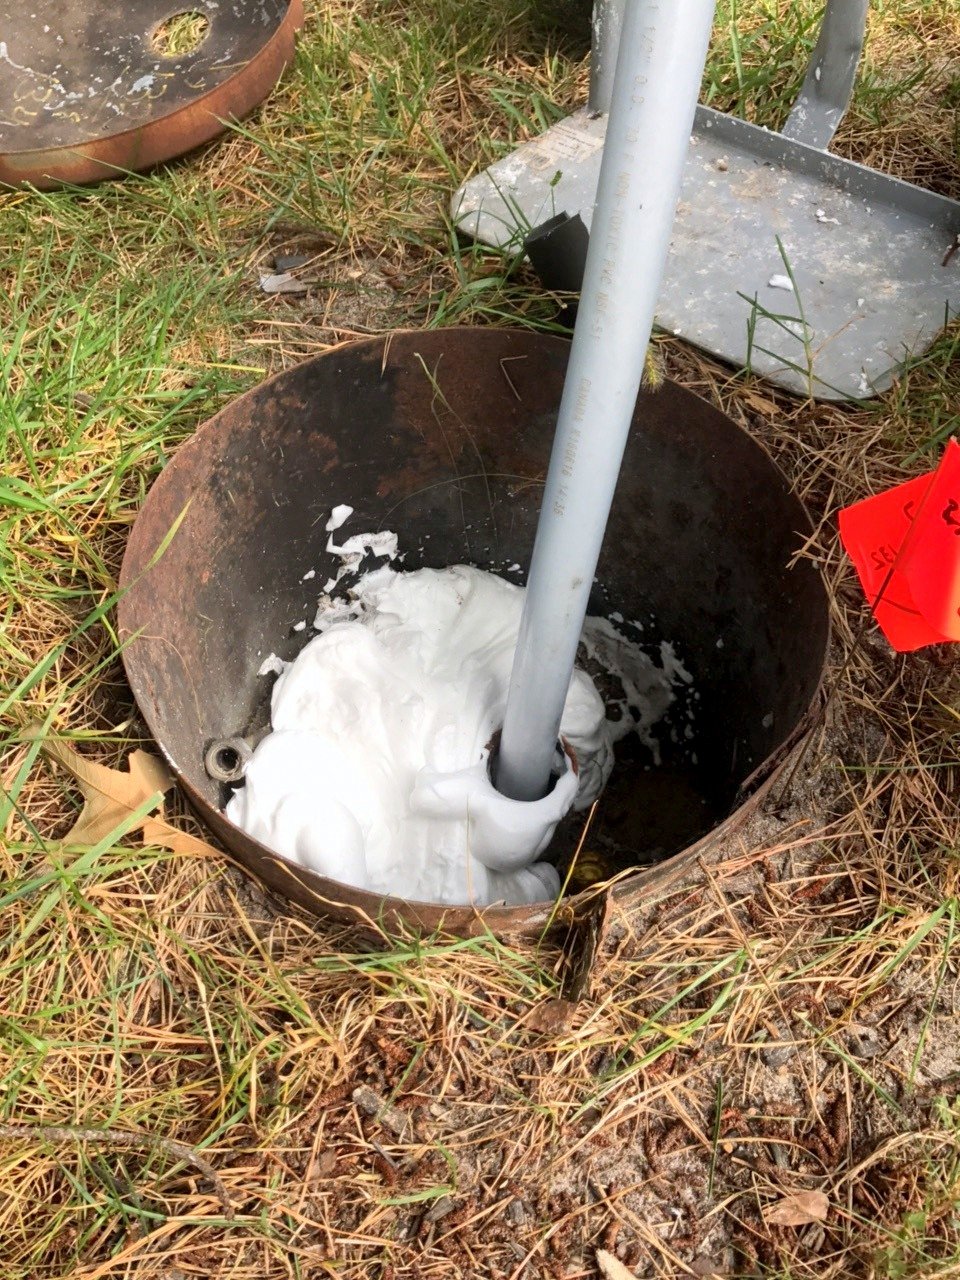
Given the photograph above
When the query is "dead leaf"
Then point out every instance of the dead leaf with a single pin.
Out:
(156, 830)
(706, 1267)
(761, 404)
(551, 1016)
(111, 796)
(612, 1268)
(797, 1210)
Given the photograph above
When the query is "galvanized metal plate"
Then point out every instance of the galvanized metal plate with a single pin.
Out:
(85, 93)
(444, 437)
(866, 251)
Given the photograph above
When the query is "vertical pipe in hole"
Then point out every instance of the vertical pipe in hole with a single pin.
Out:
(663, 48)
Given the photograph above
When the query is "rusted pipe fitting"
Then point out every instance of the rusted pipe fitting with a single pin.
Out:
(225, 759)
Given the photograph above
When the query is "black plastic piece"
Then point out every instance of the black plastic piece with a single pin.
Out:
(557, 250)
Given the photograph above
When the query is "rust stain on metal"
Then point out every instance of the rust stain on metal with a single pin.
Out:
(84, 94)
(425, 435)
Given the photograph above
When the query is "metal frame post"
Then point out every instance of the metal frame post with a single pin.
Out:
(831, 75)
(605, 44)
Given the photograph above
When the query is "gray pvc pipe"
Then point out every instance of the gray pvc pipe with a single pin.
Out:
(828, 84)
(663, 48)
(605, 43)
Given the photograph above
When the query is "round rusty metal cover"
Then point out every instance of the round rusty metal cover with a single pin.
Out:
(444, 437)
(87, 90)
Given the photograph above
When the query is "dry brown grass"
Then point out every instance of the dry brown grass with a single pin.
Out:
(784, 1020)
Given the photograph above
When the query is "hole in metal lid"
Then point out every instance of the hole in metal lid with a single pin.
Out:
(180, 34)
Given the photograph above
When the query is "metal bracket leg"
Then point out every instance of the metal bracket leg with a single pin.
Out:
(829, 81)
(607, 25)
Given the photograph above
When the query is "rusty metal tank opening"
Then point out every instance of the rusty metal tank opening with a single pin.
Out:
(444, 437)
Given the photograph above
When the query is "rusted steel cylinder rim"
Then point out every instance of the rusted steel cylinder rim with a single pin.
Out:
(444, 437)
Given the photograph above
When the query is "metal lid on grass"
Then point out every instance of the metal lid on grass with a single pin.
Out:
(90, 89)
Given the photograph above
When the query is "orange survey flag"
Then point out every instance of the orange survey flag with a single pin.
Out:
(905, 544)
